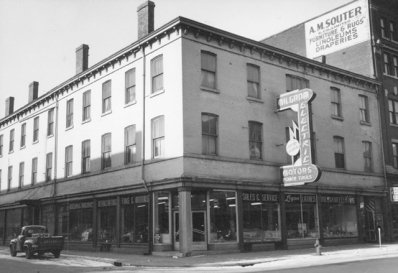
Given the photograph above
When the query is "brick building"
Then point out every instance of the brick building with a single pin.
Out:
(174, 143)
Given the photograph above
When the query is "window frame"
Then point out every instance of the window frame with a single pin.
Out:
(304, 83)
(256, 142)
(386, 63)
(9, 178)
(364, 112)
(393, 111)
(69, 114)
(207, 135)
(339, 157)
(50, 122)
(106, 97)
(21, 177)
(36, 127)
(130, 95)
(395, 155)
(12, 140)
(68, 161)
(395, 65)
(34, 171)
(205, 70)
(158, 139)
(336, 104)
(23, 135)
(383, 28)
(49, 166)
(156, 75)
(104, 152)
(1, 145)
(86, 158)
(130, 146)
(368, 156)
(86, 105)
(251, 81)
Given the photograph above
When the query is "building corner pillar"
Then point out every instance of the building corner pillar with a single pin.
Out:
(185, 219)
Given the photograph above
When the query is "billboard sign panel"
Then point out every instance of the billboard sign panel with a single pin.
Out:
(339, 29)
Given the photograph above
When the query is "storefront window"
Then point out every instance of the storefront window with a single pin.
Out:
(75, 221)
(261, 221)
(301, 216)
(106, 220)
(394, 213)
(134, 217)
(26, 216)
(223, 217)
(162, 217)
(2, 222)
(13, 223)
(47, 218)
(339, 216)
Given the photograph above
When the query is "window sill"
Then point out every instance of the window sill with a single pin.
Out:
(34, 142)
(130, 103)
(106, 113)
(337, 118)
(157, 93)
(210, 89)
(254, 99)
(390, 76)
(50, 136)
(69, 128)
(87, 120)
(365, 123)
(393, 125)
(11, 152)
(22, 147)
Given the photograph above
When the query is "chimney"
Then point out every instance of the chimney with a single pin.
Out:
(81, 58)
(33, 91)
(146, 18)
(9, 106)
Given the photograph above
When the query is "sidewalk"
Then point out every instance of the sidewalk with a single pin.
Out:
(284, 258)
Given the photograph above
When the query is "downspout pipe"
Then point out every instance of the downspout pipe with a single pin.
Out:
(55, 148)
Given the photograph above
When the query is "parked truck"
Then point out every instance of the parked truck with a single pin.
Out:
(36, 239)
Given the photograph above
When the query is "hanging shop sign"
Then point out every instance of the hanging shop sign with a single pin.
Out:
(394, 194)
(302, 171)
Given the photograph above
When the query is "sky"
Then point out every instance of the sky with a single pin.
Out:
(38, 38)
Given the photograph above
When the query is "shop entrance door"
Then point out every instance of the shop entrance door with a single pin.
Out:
(199, 236)
(370, 228)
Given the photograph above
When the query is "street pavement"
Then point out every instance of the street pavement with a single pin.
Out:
(273, 259)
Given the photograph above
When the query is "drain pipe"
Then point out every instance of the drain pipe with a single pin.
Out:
(55, 148)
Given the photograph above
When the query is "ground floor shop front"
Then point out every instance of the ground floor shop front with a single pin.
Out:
(187, 219)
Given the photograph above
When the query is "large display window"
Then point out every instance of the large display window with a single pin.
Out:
(261, 217)
(301, 216)
(106, 220)
(13, 223)
(2, 227)
(134, 219)
(162, 218)
(222, 216)
(47, 217)
(339, 216)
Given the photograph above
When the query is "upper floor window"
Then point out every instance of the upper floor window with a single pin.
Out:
(395, 66)
(9, 177)
(50, 124)
(34, 171)
(336, 102)
(130, 147)
(106, 150)
(69, 113)
(294, 82)
(21, 174)
(367, 155)
(1, 145)
(23, 135)
(49, 166)
(86, 105)
(388, 29)
(339, 152)
(157, 73)
(393, 110)
(395, 155)
(12, 140)
(86, 155)
(393, 33)
(106, 96)
(68, 161)
(253, 81)
(208, 66)
(364, 108)
(255, 140)
(0, 178)
(384, 30)
(387, 65)
(158, 142)
(36, 129)
(209, 134)
(130, 86)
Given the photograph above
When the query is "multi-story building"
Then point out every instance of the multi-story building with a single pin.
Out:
(176, 142)
(361, 37)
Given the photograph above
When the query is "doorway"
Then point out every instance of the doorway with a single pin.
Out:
(199, 234)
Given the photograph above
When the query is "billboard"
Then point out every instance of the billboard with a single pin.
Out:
(338, 29)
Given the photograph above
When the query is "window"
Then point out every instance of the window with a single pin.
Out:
(9, 177)
(1, 145)
(158, 137)
(208, 66)
(255, 140)
(86, 156)
(21, 174)
(106, 97)
(393, 34)
(294, 82)
(49, 166)
(395, 155)
(383, 24)
(130, 86)
(364, 108)
(395, 66)
(367, 155)
(50, 125)
(386, 66)
(68, 161)
(12, 140)
(130, 148)
(69, 113)
(157, 74)
(336, 102)
(34, 170)
(393, 110)
(209, 134)
(36, 129)
(253, 81)
(339, 152)
(86, 105)
(106, 150)
(23, 135)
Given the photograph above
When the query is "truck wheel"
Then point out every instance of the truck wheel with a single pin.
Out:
(28, 253)
(57, 254)
(13, 251)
